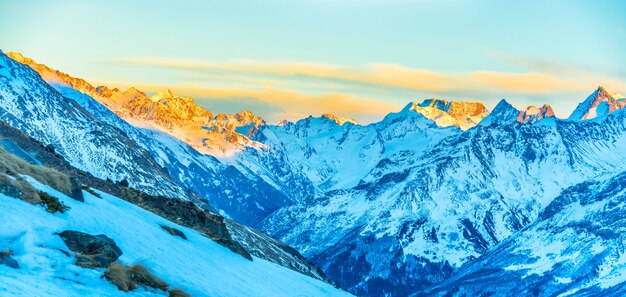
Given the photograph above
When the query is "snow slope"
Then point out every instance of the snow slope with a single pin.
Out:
(575, 248)
(197, 265)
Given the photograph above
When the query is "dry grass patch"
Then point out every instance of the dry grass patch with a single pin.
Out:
(51, 203)
(91, 191)
(15, 166)
(120, 276)
(128, 278)
(16, 186)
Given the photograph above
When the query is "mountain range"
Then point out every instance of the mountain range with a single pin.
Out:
(434, 199)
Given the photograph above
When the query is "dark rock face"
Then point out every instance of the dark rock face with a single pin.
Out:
(77, 191)
(174, 232)
(95, 250)
(6, 259)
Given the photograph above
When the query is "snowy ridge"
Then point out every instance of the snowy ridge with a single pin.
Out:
(505, 113)
(574, 249)
(339, 120)
(29, 231)
(28, 103)
(165, 111)
(244, 197)
(599, 103)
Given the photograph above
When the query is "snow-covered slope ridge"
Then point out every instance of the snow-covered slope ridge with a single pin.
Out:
(196, 265)
(178, 116)
(246, 198)
(504, 112)
(31, 105)
(575, 248)
(599, 103)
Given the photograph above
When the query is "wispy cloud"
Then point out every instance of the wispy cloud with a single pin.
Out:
(373, 74)
(295, 89)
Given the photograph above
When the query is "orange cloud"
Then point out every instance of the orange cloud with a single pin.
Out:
(374, 74)
(522, 82)
(379, 75)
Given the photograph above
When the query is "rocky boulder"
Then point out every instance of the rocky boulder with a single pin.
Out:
(6, 259)
(92, 250)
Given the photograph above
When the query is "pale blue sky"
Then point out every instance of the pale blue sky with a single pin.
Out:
(285, 59)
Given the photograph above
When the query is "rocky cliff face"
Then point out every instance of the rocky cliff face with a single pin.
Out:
(598, 104)
(445, 113)
(574, 248)
(426, 212)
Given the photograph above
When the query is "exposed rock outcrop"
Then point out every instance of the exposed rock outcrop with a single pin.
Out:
(92, 250)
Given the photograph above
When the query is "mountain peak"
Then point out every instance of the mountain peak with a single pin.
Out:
(599, 103)
(339, 120)
(164, 94)
(447, 113)
(503, 112)
(533, 114)
(410, 106)
(18, 57)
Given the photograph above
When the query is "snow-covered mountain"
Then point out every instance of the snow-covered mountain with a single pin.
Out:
(452, 113)
(397, 207)
(239, 238)
(425, 210)
(31, 105)
(504, 113)
(598, 104)
(533, 114)
(175, 115)
(245, 197)
(575, 248)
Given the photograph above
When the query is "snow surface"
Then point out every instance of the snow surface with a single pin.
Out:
(198, 265)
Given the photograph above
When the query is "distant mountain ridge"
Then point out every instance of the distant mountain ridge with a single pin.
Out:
(395, 207)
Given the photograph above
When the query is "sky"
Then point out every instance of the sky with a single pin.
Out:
(286, 59)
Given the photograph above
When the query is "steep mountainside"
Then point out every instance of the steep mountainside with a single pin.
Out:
(245, 197)
(31, 105)
(181, 212)
(173, 114)
(426, 212)
(45, 263)
(575, 248)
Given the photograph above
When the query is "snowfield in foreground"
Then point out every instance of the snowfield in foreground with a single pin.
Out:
(198, 265)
